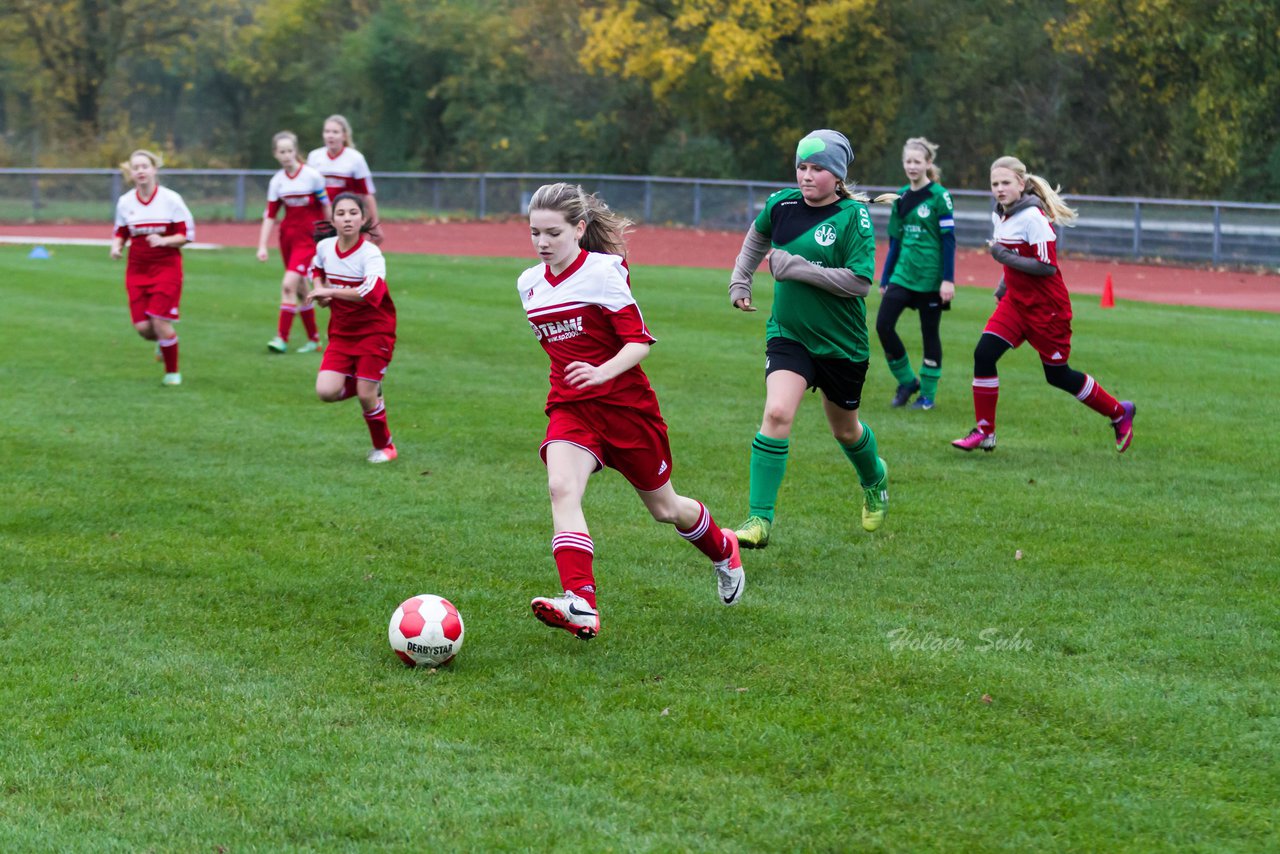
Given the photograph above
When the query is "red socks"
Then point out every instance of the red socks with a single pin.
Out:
(379, 432)
(286, 320)
(169, 352)
(986, 391)
(707, 537)
(573, 552)
(1096, 398)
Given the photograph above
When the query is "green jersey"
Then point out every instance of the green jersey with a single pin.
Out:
(834, 235)
(917, 223)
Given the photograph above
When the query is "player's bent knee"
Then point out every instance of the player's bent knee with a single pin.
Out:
(562, 489)
(778, 417)
(1064, 377)
(668, 514)
(847, 435)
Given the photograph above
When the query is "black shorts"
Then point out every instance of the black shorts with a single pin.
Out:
(918, 300)
(840, 379)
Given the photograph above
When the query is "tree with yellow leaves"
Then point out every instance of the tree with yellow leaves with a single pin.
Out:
(732, 67)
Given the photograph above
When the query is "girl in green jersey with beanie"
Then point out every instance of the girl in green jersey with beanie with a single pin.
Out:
(919, 272)
(821, 251)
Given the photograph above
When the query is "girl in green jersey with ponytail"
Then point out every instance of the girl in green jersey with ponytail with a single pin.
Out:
(821, 251)
(919, 272)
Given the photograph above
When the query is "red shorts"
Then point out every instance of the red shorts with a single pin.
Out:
(631, 441)
(154, 298)
(297, 250)
(1049, 334)
(366, 360)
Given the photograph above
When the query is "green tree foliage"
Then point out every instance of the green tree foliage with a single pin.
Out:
(981, 80)
(1189, 92)
(72, 49)
(1150, 97)
(450, 85)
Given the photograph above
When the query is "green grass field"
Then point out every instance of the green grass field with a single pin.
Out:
(196, 585)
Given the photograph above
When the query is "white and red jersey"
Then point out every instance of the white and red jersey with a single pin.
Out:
(302, 195)
(345, 172)
(1026, 230)
(164, 213)
(364, 269)
(586, 314)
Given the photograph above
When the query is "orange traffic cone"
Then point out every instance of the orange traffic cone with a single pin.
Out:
(1108, 294)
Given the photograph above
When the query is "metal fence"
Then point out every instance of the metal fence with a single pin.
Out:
(1217, 233)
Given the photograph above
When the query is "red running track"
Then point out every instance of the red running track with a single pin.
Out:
(682, 247)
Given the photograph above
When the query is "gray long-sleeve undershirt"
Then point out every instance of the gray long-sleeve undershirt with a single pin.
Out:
(1031, 266)
(839, 281)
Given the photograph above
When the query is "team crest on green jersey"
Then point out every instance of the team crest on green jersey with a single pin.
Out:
(825, 234)
(923, 211)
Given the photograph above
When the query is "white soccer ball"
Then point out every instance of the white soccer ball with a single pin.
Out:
(426, 631)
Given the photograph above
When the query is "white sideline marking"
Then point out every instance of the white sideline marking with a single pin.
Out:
(86, 241)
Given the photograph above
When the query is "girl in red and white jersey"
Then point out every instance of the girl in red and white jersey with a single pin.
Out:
(1032, 304)
(345, 170)
(156, 223)
(300, 190)
(350, 278)
(601, 409)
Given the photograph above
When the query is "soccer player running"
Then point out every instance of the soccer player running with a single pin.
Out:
(156, 223)
(601, 409)
(345, 170)
(919, 272)
(1032, 304)
(823, 258)
(300, 190)
(350, 275)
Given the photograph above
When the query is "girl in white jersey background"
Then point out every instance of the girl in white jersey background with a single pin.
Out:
(1032, 304)
(350, 275)
(345, 170)
(300, 191)
(601, 409)
(155, 222)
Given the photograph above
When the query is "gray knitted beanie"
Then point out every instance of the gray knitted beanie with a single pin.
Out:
(828, 149)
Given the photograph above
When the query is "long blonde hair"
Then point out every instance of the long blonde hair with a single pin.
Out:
(341, 121)
(930, 150)
(1054, 206)
(606, 230)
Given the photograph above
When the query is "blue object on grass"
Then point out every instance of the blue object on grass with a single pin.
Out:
(39, 253)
